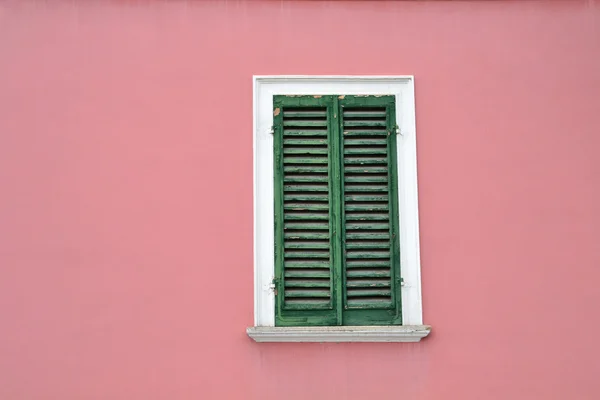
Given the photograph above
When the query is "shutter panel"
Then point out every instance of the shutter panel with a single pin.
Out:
(303, 216)
(370, 234)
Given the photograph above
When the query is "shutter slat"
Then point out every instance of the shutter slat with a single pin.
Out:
(306, 264)
(306, 188)
(365, 160)
(305, 142)
(314, 283)
(367, 169)
(364, 114)
(367, 209)
(365, 188)
(367, 197)
(305, 235)
(365, 132)
(306, 207)
(292, 122)
(366, 217)
(367, 245)
(369, 293)
(306, 245)
(304, 160)
(368, 264)
(305, 179)
(365, 255)
(305, 151)
(370, 236)
(348, 151)
(368, 283)
(304, 114)
(300, 133)
(366, 142)
(306, 169)
(365, 123)
(305, 197)
(368, 273)
(366, 179)
(369, 226)
(306, 217)
(307, 293)
(313, 274)
(372, 302)
(306, 254)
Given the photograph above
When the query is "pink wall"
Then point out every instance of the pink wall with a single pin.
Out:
(126, 203)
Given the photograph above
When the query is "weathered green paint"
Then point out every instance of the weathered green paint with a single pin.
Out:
(337, 210)
(367, 263)
(367, 168)
(311, 141)
(393, 202)
(306, 179)
(303, 270)
(365, 132)
(364, 151)
(369, 179)
(367, 274)
(304, 123)
(366, 217)
(305, 114)
(304, 188)
(365, 160)
(309, 169)
(279, 214)
(372, 236)
(296, 160)
(342, 165)
(364, 114)
(368, 245)
(305, 151)
(300, 133)
(371, 266)
(304, 235)
(364, 123)
(367, 197)
(369, 142)
(316, 284)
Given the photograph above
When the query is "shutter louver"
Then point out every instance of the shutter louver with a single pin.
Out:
(306, 208)
(336, 221)
(370, 245)
(307, 267)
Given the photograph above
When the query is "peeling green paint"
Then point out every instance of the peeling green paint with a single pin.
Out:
(337, 255)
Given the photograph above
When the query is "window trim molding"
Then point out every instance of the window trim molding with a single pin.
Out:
(391, 333)
(264, 87)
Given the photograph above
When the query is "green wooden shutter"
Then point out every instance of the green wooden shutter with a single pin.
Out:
(304, 243)
(337, 258)
(371, 270)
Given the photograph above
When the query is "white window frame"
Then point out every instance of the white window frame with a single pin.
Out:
(402, 87)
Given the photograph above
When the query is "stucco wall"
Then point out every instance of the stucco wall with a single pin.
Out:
(126, 197)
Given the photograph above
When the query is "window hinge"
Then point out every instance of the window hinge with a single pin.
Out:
(398, 131)
(273, 285)
(401, 281)
(272, 131)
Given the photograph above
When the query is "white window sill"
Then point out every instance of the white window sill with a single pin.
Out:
(400, 333)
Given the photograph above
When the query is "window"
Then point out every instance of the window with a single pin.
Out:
(336, 226)
(336, 218)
